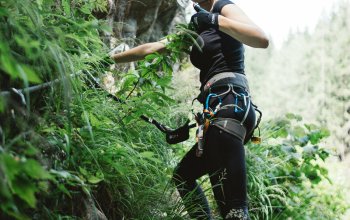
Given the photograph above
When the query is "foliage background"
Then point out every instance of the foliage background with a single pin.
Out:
(73, 153)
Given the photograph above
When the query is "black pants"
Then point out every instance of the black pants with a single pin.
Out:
(224, 160)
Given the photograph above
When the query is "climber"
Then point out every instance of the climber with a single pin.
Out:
(228, 117)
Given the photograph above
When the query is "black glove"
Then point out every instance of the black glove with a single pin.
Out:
(180, 134)
(204, 20)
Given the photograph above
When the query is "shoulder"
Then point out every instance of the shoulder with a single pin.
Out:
(220, 4)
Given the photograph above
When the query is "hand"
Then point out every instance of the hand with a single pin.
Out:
(205, 20)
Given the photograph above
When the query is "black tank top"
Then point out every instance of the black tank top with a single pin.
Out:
(220, 52)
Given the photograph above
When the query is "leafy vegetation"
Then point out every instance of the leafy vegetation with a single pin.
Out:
(73, 153)
(309, 75)
(287, 172)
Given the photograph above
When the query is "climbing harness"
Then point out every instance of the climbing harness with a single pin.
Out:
(237, 85)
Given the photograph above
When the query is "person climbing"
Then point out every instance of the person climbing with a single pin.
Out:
(228, 118)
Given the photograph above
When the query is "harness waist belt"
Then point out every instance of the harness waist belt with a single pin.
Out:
(235, 79)
(231, 126)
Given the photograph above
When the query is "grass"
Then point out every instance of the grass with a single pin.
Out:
(73, 152)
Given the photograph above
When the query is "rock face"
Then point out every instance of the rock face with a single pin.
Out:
(146, 20)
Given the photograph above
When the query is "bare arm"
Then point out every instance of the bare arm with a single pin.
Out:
(234, 22)
(139, 52)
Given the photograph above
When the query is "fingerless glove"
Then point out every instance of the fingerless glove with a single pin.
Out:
(205, 20)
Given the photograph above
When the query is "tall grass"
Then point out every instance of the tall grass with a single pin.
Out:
(74, 153)
(89, 155)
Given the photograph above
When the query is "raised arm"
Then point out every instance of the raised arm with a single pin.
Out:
(139, 52)
(234, 22)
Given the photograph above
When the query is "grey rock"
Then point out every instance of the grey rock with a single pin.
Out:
(146, 20)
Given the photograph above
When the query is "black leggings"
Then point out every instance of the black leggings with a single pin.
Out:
(224, 160)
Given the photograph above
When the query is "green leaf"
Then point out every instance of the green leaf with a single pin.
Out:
(311, 127)
(40, 4)
(12, 167)
(4, 188)
(33, 169)
(3, 12)
(298, 131)
(152, 56)
(8, 64)
(323, 154)
(311, 172)
(2, 104)
(94, 179)
(66, 7)
(317, 135)
(63, 174)
(31, 47)
(63, 189)
(147, 154)
(95, 122)
(164, 81)
(150, 156)
(26, 190)
(120, 168)
(83, 171)
(31, 151)
(86, 9)
(323, 171)
(31, 76)
(294, 116)
(129, 80)
(280, 132)
(167, 68)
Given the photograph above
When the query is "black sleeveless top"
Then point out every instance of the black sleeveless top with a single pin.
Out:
(220, 52)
